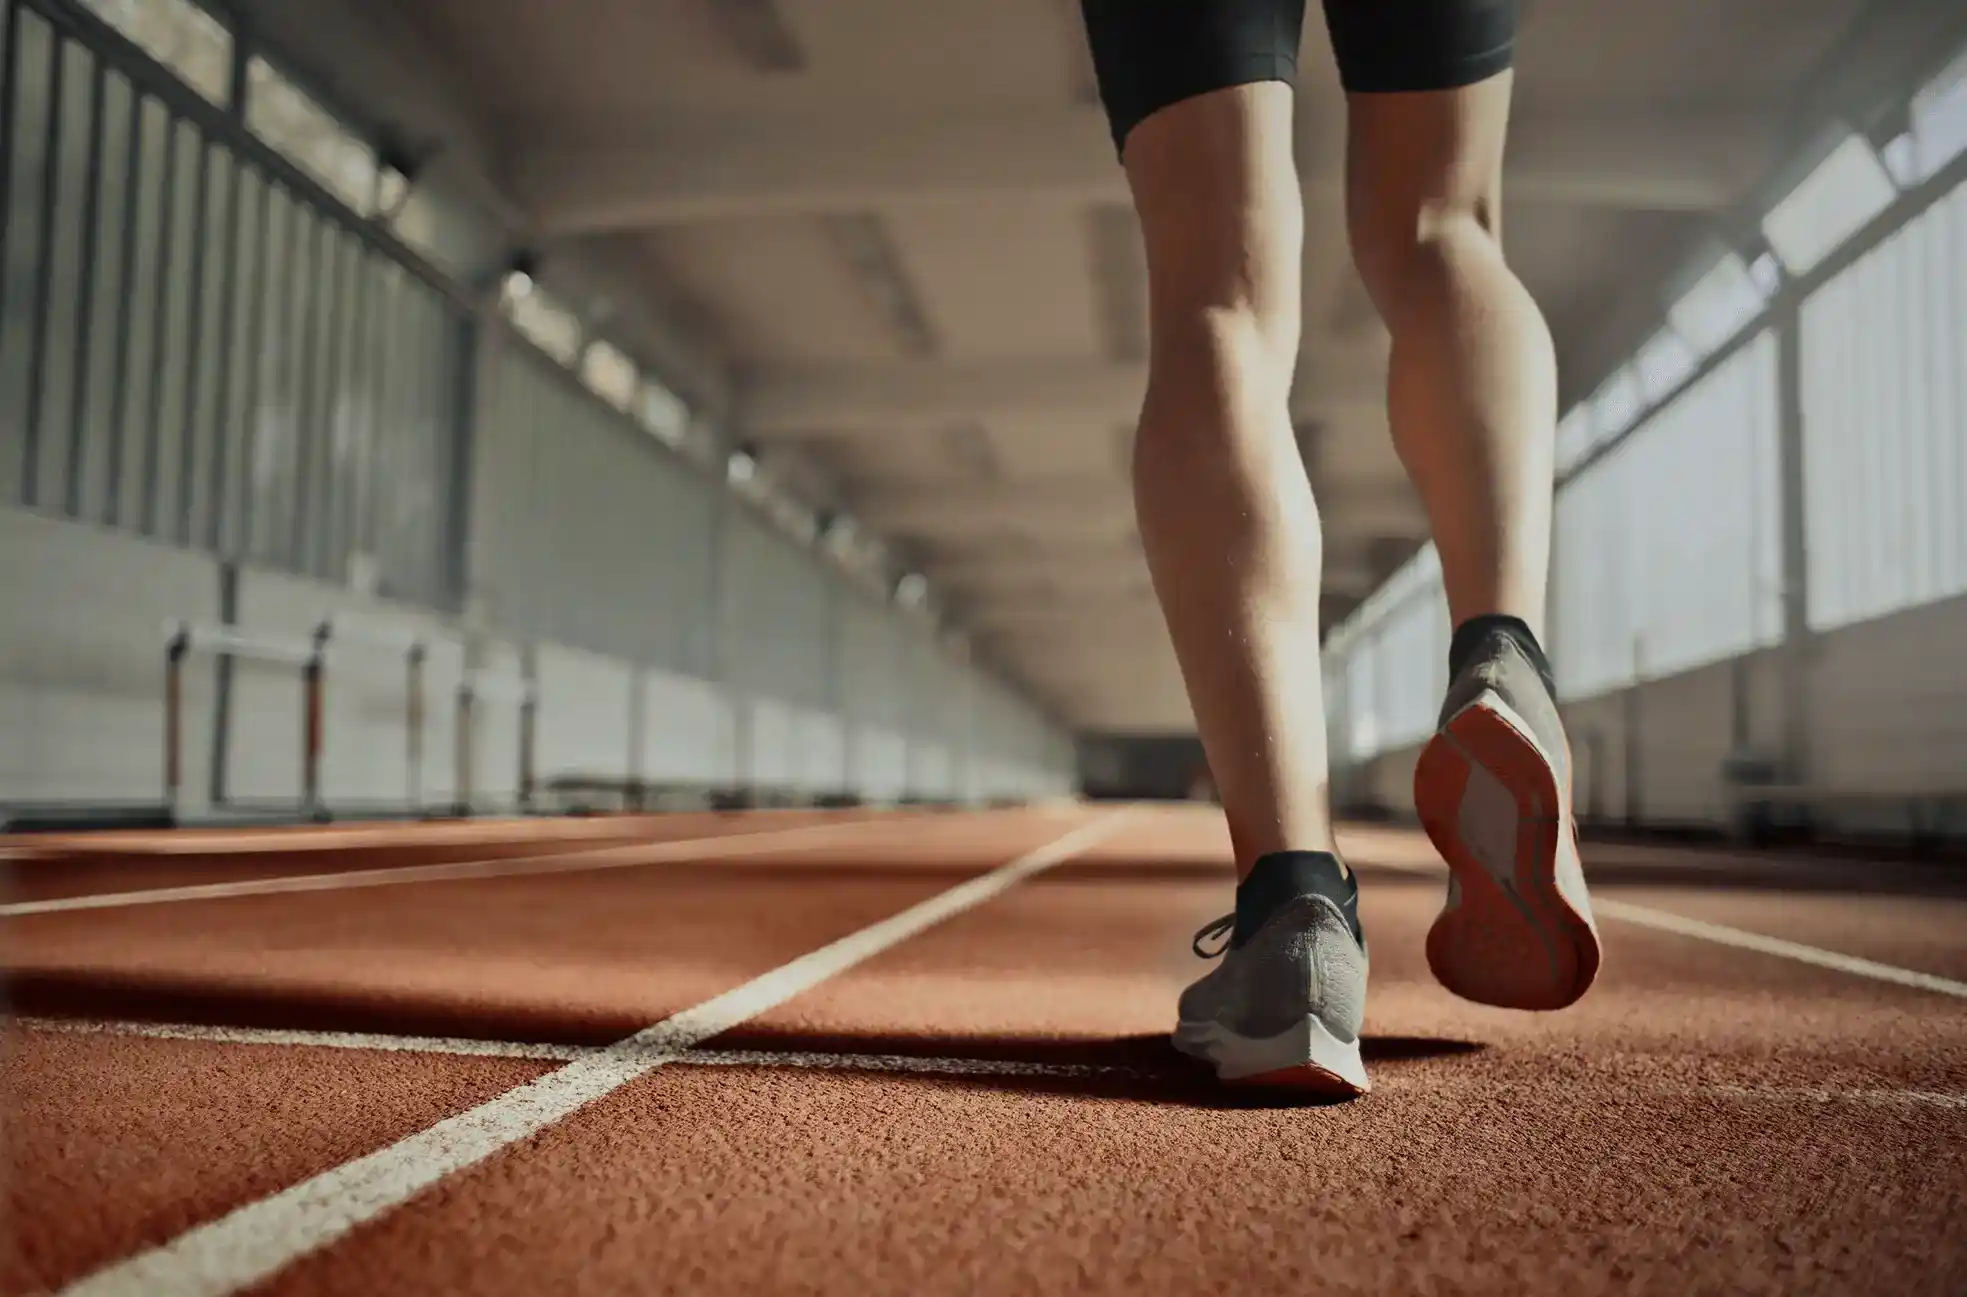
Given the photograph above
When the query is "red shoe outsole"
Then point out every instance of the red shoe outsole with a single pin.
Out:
(1530, 950)
(1307, 1078)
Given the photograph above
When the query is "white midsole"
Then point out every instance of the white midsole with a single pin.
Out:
(1307, 1042)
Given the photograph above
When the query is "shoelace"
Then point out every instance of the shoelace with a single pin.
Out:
(1222, 927)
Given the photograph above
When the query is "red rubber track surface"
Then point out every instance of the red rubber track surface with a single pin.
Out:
(990, 1105)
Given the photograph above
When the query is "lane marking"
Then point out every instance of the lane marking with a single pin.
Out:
(1647, 917)
(625, 856)
(456, 1045)
(910, 1063)
(1884, 1098)
(468, 1047)
(252, 1242)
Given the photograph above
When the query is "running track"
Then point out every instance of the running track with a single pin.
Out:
(842, 1053)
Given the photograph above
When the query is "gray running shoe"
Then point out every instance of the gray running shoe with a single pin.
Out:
(1493, 789)
(1286, 1004)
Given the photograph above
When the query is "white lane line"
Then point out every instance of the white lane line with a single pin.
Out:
(1879, 1098)
(1646, 916)
(458, 1045)
(252, 1242)
(546, 862)
(467, 1047)
(909, 1063)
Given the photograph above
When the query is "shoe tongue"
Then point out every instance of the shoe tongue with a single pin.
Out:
(1282, 877)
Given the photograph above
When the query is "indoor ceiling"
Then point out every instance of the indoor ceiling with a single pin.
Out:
(898, 228)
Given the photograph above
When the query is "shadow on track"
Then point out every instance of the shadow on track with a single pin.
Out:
(1135, 1069)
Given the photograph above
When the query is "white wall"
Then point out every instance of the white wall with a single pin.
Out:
(82, 661)
(689, 729)
(586, 713)
(81, 689)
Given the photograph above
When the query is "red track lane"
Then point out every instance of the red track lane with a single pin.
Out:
(116, 1144)
(579, 957)
(1709, 1119)
(126, 862)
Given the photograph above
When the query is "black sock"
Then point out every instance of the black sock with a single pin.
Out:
(1471, 635)
(1282, 877)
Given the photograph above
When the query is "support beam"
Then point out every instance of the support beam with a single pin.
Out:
(802, 401)
(703, 168)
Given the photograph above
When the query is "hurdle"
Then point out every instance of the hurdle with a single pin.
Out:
(415, 650)
(478, 685)
(305, 654)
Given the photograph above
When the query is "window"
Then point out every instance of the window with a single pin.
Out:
(1363, 733)
(550, 327)
(662, 413)
(1766, 273)
(839, 536)
(179, 35)
(1573, 437)
(1939, 121)
(1719, 306)
(1615, 405)
(283, 115)
(1391, 654)
(1667, 550)
(1884, 398)
(1663, 364)
(610, 375)
(1845, 191)
(1901, 158)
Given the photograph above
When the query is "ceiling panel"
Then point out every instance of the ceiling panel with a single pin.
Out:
(777, 289)
(1002, 277)
(1676, 53)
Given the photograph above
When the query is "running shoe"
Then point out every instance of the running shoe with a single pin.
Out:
(1285, 1006)
(1493, 789)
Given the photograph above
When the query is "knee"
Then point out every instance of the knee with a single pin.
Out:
(1252, 344)
(1406, 247)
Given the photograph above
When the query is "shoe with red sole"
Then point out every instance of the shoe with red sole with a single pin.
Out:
(1493, 790)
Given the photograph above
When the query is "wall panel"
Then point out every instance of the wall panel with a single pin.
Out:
(1885, 423)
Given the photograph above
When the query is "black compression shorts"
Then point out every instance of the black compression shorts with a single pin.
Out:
(1152, 53)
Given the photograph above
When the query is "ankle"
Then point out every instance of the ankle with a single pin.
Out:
(1471, 635)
